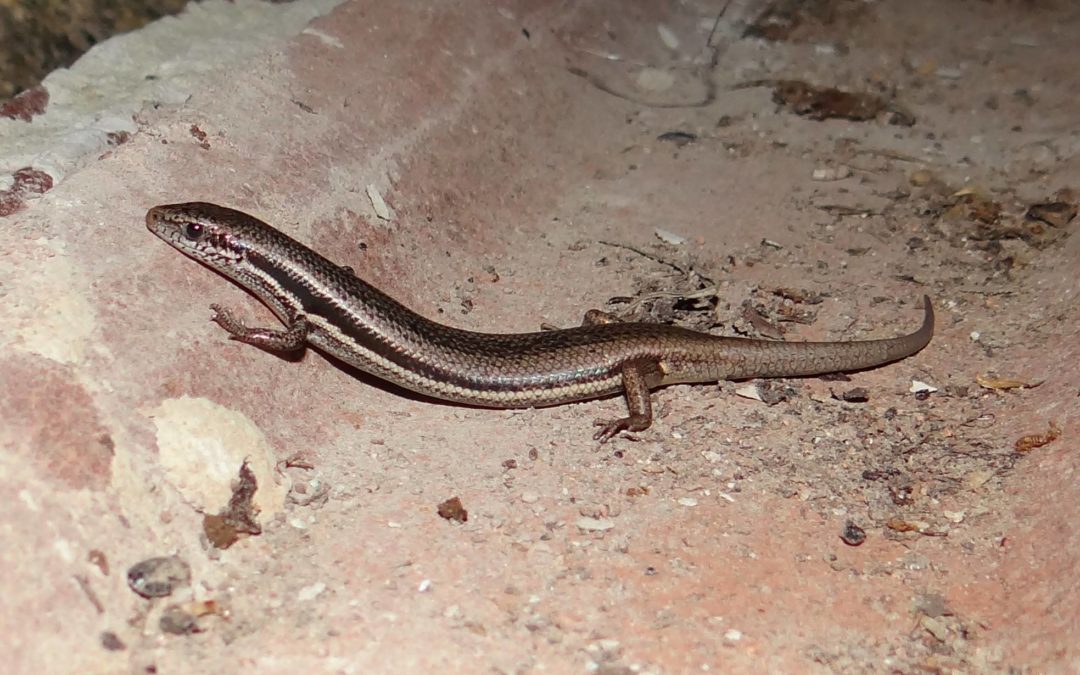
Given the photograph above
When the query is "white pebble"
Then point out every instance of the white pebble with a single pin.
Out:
(594, 524)
(310, 592)
(669, 237)
(670, 40)
(917, 387)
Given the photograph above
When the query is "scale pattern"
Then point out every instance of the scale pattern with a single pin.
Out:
(362, 326)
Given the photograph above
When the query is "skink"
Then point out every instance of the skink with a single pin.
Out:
(327, 306)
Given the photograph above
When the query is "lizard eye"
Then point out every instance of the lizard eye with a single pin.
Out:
(193, 231)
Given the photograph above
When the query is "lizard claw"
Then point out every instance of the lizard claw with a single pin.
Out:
(609, 429)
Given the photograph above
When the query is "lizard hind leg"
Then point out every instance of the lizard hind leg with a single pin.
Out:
(639, 377)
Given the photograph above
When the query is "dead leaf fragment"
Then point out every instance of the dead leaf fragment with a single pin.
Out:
(901, 525)
(973, 206)
(822, 103)
(452, 509)
(1054, 214)
(989, 382)
(1032, 441)
(239, 518)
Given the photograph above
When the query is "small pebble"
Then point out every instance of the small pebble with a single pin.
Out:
(606, 645)
(668, 37)
(936, 628)
(749, 391)
(654, 80)
(852, 534)
(825, 174)
(921, 178)
(594, 524)
(158, 577)
(112, 642)
(175, 620)
(919, 387)
(954, 516)
(378, 204)
(669, 237)
(310, 592)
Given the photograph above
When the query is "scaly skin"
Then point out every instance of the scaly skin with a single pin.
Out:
(329, 307)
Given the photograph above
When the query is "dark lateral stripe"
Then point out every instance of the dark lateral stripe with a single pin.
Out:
(309, 297)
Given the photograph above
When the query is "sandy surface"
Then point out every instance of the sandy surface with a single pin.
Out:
(528, 154)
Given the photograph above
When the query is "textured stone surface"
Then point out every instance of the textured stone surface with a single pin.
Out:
(38, 37)
(518, 151)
